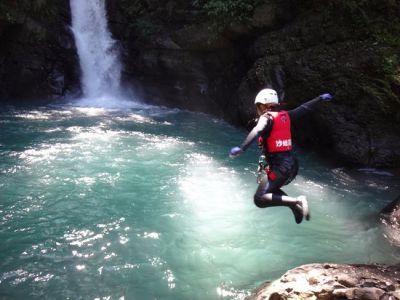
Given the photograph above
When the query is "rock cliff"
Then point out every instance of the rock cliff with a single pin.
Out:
(37, 53)
(180, 55)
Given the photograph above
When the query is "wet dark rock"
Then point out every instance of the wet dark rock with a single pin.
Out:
(180, 59)
(298, 61)
(37, 57)
(333, 281)
(390, 217)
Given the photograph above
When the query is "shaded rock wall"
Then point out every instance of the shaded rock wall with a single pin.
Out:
(173, 61)
(37, 53)
(179, 59)
(321, 51)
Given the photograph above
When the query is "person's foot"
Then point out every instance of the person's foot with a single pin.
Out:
(297, 212)
(304, 205)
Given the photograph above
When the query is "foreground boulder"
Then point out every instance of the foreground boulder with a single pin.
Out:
(333, 281)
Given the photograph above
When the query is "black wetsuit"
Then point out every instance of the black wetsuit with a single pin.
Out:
(283, 164)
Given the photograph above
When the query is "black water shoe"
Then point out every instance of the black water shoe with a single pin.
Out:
(297, 212)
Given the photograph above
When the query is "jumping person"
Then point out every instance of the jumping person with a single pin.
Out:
(275, 139)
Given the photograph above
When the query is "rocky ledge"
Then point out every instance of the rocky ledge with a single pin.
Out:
(333, 281)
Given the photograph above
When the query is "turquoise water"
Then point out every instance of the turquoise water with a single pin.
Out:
(143, 203)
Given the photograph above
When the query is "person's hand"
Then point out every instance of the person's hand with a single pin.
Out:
(326, 97)
(235, 151)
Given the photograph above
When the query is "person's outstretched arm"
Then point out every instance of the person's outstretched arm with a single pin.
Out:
(264, 122)
(308, 106)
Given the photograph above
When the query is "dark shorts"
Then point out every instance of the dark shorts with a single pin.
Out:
(283, 171)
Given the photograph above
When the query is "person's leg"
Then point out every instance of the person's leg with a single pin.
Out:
(267, 186)
(280, 192)
(269, 194)
(299, 205)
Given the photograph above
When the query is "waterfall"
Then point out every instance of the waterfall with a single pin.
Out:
(98, 52)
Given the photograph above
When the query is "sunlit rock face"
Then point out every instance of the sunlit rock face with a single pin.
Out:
(333, 281)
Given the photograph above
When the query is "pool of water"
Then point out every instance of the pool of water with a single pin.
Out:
(144, 203)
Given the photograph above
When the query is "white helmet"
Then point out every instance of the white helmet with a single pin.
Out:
(267, 96)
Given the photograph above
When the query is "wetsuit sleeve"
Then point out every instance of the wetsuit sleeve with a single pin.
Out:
(304, 108)
(264, 123)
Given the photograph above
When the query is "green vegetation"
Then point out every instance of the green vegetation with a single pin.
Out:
(377, 22)
(18, 11)
(147, 19)
(134, 8)
(146, 27)
(143, 19)
(224, 13)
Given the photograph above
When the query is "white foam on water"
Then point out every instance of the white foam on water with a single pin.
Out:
(108, 102)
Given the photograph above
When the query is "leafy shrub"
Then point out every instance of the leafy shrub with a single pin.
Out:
(224, 13)
(15, 11)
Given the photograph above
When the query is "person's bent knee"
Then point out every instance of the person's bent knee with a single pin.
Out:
(258, 201)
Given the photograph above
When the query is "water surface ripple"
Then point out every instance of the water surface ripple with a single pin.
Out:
(143, 203)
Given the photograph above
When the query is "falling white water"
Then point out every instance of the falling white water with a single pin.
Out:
(98, 52)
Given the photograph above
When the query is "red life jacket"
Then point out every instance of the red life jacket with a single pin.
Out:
(280, 137)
